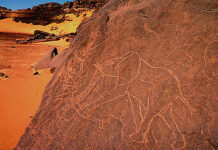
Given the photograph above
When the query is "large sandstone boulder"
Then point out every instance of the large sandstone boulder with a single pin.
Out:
(140, 74)
(46, 60)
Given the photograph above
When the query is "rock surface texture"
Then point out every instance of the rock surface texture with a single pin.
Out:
(139, 75)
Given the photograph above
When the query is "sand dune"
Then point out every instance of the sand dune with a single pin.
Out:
(8, 25)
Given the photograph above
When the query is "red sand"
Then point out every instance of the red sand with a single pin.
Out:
(21, 93)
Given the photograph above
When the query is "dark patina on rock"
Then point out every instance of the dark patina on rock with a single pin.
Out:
(139, 75)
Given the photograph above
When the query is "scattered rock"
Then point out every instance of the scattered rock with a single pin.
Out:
(54, 28)
(2, 75)
(36, 73)
(41, 36)
(13, 47)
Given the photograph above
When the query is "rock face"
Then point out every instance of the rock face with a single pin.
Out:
(138, 75)
(2, 9)
(45, 14)
(97, 4)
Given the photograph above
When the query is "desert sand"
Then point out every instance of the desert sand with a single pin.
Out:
(21, 93)
(8, 25)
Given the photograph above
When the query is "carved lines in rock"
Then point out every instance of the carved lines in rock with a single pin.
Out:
(116, 63)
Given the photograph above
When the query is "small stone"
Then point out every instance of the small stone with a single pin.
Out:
(52, 69)
(36, 73)
(2, 74)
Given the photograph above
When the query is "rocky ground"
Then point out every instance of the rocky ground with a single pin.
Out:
(41, 36)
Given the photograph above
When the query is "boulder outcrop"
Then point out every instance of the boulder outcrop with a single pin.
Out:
(41, 36)
(45, 14)
(2, 10)
(139, 75)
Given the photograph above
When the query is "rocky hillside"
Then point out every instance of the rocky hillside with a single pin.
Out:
(2, 8)
(139, 75)
(45, 14)
(2, 12)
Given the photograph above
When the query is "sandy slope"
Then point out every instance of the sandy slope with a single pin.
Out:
(8, 25)
(21, 93)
